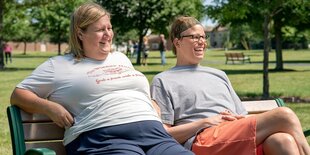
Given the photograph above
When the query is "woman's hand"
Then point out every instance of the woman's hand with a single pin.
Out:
(58, 114)
(30, 102)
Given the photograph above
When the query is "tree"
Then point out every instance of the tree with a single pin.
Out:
(17, 23)
(293, 13)
(262, 14)
(54, 19)
(147, 15)
(289, 13)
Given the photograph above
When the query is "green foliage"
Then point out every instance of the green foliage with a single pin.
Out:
(33, 20)
(17, 23)
(143, 16)
(294, 13)
(53, 19)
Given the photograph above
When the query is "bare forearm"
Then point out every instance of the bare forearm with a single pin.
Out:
(28, 101)
(183, 132)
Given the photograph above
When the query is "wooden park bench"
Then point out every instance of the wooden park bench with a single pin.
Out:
(34, 134)
(236, 57)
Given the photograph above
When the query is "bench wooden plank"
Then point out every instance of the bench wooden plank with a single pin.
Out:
(33, 131)
(236, 57)
(27, 117)
(254, 107)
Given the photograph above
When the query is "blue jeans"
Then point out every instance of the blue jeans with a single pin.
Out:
(163, 57)
(138, 138)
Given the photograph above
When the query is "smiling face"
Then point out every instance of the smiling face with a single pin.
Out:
(190, 50)
(97, 39)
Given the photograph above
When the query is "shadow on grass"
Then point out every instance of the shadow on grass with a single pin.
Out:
(288, 61)
(234, 71)
(151, 72)
(32, 56)
(158, 57)
(149, 64)
(13, 69)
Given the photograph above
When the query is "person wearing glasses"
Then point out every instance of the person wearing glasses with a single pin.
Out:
(201, 110)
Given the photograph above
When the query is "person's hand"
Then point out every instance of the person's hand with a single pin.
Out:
(214, 120)
(222, 117)
(228, 116)
(58, 114)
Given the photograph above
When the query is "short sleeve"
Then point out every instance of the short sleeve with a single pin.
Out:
(41, 80)
(159, 94)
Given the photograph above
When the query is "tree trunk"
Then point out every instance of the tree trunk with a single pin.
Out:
(25, 47)
(138, 62)
(244, 43)
(1, 25)
(1, 55)
(59, 48)
(266, 57)
(278, 36)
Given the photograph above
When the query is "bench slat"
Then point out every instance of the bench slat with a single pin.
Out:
(236, 57)
(33, 131)
(254, 107)
(27, 117)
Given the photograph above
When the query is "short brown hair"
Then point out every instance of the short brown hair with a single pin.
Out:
(181, 24)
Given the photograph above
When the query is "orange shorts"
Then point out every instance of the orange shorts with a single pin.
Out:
(234, 137)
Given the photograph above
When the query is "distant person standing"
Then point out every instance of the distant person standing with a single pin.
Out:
(8, 52)
(162, 49)
(145, 50)
(135, 49)
(130, 49)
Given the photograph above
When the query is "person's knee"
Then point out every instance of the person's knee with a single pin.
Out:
(280, 139)
(280, 142)
(285, 115)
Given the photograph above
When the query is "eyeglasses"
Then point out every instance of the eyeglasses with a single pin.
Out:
(196, 38)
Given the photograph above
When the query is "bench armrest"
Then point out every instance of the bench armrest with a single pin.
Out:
(40, 151)
(307, 133)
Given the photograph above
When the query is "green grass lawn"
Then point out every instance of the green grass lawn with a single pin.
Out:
(247, 79)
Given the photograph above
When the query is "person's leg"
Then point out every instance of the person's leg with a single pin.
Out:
(228, 138)
(6, 58)
(163, 58)
(145, 59)
(280, 144)
(154, 139)
(104, 141)
(10, 56)
(169, 148)
(281, 120)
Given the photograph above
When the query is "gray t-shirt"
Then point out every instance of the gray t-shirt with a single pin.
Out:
(96, 93)
(189, 93)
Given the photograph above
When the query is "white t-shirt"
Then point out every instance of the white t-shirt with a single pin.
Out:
(96, 93)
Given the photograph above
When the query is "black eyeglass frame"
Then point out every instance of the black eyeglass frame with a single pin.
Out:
(194, 37)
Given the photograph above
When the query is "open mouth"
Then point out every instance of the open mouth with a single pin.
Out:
(199, 49)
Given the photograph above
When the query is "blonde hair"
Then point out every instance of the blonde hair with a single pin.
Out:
(180, 25)
(81, 18)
